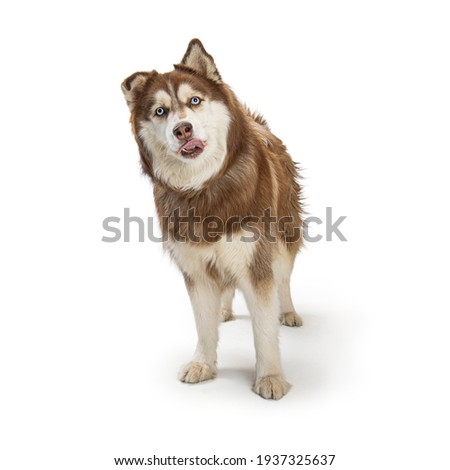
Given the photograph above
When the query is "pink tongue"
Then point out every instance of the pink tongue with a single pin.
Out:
(191, 145)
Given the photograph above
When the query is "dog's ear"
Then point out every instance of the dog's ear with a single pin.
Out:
(132, 87)
(199, 61)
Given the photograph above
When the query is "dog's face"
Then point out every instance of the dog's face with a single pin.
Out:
(181, 118)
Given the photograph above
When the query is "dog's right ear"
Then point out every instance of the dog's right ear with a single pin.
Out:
(197, 60)
(132, 87)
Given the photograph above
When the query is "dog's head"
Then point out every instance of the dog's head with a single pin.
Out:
(181, 119)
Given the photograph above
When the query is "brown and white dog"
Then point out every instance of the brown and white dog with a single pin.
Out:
(228, 200)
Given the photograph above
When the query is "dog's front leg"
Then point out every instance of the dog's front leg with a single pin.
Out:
(262, 302)
(205, 300)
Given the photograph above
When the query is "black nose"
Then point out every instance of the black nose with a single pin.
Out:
(183, 130)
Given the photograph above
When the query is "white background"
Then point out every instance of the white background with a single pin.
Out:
(93, 333)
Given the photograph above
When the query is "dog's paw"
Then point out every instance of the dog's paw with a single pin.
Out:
(226, 315)
(196, 372)
(271, 387)
(290, 319)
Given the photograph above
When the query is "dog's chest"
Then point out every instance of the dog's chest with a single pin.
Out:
(231, 255)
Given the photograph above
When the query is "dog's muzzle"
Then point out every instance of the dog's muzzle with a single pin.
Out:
(191, 147)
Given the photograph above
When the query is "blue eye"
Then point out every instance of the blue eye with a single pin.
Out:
(160, 111)
(195, 101)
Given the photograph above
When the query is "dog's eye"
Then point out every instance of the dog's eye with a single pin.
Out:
(195, 100)
(160, 112)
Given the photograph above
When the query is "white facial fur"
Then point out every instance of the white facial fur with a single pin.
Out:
(210, 122)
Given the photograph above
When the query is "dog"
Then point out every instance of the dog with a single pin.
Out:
(229, 204)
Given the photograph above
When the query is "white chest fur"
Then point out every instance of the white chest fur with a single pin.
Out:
(232, 254)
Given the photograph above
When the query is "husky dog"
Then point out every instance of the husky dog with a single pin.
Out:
(228, 201)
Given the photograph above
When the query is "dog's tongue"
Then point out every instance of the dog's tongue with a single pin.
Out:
(191, 146)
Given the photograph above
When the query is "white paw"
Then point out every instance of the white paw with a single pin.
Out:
(226, 315)
(196, 372)
(290, 319)
(271, 387)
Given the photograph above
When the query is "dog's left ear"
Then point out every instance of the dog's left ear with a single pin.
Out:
(198, 60)
(133, 85)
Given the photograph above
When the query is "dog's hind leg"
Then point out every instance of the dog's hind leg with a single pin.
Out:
(226, 310)
(205, 300)
(288, 315)
(283, 265)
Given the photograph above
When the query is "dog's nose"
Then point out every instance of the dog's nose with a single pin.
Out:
(183, 130)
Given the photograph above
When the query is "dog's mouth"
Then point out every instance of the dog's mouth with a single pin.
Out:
(192, 148)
